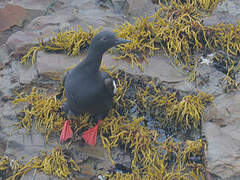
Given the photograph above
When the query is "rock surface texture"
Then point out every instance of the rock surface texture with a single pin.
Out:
(19, 32)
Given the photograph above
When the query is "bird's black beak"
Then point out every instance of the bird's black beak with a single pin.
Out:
(121, 41)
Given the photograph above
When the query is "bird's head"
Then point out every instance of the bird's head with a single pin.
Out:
(106, 40)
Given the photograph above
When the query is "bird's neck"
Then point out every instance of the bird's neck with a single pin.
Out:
(93, 59)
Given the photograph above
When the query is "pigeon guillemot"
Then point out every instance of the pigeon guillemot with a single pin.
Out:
(89, 90)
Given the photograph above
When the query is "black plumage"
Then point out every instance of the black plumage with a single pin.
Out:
(88, 89)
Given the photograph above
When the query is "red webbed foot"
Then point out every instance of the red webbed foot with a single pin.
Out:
(90, 136)
(66, 132)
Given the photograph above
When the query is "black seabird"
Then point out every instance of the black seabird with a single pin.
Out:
(89, 90)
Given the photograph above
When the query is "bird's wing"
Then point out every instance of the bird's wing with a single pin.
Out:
(65, 76)
(109, 83)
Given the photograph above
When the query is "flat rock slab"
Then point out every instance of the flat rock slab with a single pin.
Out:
(47, 62)
(19, 42)
(19, 143)
(223, 152)
(158, 66)
(223, 136)
(11, 15)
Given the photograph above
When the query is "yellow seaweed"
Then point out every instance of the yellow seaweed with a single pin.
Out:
(53, 163)
(43, 110)
(72, 42)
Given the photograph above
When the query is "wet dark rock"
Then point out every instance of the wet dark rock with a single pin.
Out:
(121, 168)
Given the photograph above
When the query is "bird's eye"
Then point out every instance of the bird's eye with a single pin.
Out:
(103, 39)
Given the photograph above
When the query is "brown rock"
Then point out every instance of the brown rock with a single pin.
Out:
(11, 15)
(41, 27)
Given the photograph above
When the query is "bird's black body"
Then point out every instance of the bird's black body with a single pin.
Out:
(86, 88)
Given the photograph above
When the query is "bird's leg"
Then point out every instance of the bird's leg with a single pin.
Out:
(90, 136)
(66, 132)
